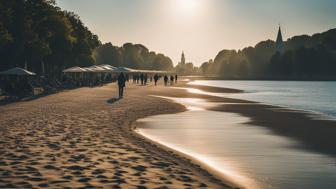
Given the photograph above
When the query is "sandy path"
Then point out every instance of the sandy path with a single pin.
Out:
(82, 138)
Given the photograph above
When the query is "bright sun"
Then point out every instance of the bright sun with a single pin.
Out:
(188, 6)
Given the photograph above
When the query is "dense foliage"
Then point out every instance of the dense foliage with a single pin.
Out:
(305, 57)
(39, 36)
(133, 56)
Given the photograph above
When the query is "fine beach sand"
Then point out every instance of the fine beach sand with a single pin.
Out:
(85, 138)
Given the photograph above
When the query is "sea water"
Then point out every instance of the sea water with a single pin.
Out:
(315, 96)
(249, 155)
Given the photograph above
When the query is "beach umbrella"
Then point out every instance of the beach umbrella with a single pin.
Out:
(17, 72)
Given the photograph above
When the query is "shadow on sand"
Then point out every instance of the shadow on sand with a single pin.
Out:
(113, 100)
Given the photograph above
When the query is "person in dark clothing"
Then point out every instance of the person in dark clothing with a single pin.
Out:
(142, 79)
(145, 79)
(156, 78)
(176, 78)
(165, 80)
(134, 79)
(121, 84)
(171, 80)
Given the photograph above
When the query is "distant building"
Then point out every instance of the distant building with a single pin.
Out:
(185, 68)
(280, 47)
(183, 60)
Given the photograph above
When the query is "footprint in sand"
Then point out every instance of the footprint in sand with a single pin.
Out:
(139, 168)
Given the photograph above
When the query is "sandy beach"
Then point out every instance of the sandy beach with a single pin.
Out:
(84, 138)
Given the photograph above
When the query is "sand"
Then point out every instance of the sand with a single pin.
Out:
(83, 138)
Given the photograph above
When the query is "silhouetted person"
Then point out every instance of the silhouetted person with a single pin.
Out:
(121, 84)
(142, 79)
(165, 80)
(176, 78)
(137, 79)
(134, 79)
(145, 79)
(171, 80)
(156, 78)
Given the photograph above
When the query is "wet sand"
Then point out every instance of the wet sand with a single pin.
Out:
(83, 138)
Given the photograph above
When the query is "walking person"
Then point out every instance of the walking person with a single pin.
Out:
(145, 79)
(121, 84)
(165, 80)
(176, 78)
(156, 78)
(137, 79)
(171, 80)
(134, 79)
(142, 79)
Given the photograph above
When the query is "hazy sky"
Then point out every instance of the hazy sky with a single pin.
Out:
(200, 28)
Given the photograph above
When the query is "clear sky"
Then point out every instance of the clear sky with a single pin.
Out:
(200, 28)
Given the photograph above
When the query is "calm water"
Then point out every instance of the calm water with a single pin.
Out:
(317, 96)
(247, 154)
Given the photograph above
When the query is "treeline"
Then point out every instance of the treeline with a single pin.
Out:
(305, 57)
(39, 36)
(133, 56)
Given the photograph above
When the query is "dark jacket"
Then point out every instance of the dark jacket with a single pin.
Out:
(121, 80)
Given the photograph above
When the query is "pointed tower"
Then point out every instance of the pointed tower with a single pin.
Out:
(279, 42)
(183, 59)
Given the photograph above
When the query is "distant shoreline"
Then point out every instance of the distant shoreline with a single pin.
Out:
(262, 78)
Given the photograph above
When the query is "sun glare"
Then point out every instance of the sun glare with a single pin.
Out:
(187, 7)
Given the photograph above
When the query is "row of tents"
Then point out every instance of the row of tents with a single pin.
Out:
(92, 69)
(20, 82)
(111, 69)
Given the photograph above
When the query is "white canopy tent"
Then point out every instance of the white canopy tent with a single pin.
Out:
(97, 69)
(18, 72)
(74, 70)
(107, 67)
(124, 70)
(112, 69)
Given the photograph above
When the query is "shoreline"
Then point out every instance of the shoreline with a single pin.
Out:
(291, 122)
(84, 138)
(297, 118)
(186, 160)
(93, 111)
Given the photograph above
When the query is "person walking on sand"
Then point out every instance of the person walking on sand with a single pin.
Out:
(171, 80)
(121, 84)
(145, 79)
(176, 78)
(165, 80)
(142, 77)
(156, 78)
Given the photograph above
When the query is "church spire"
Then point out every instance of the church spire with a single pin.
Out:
(279, 42)
(182, 58)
